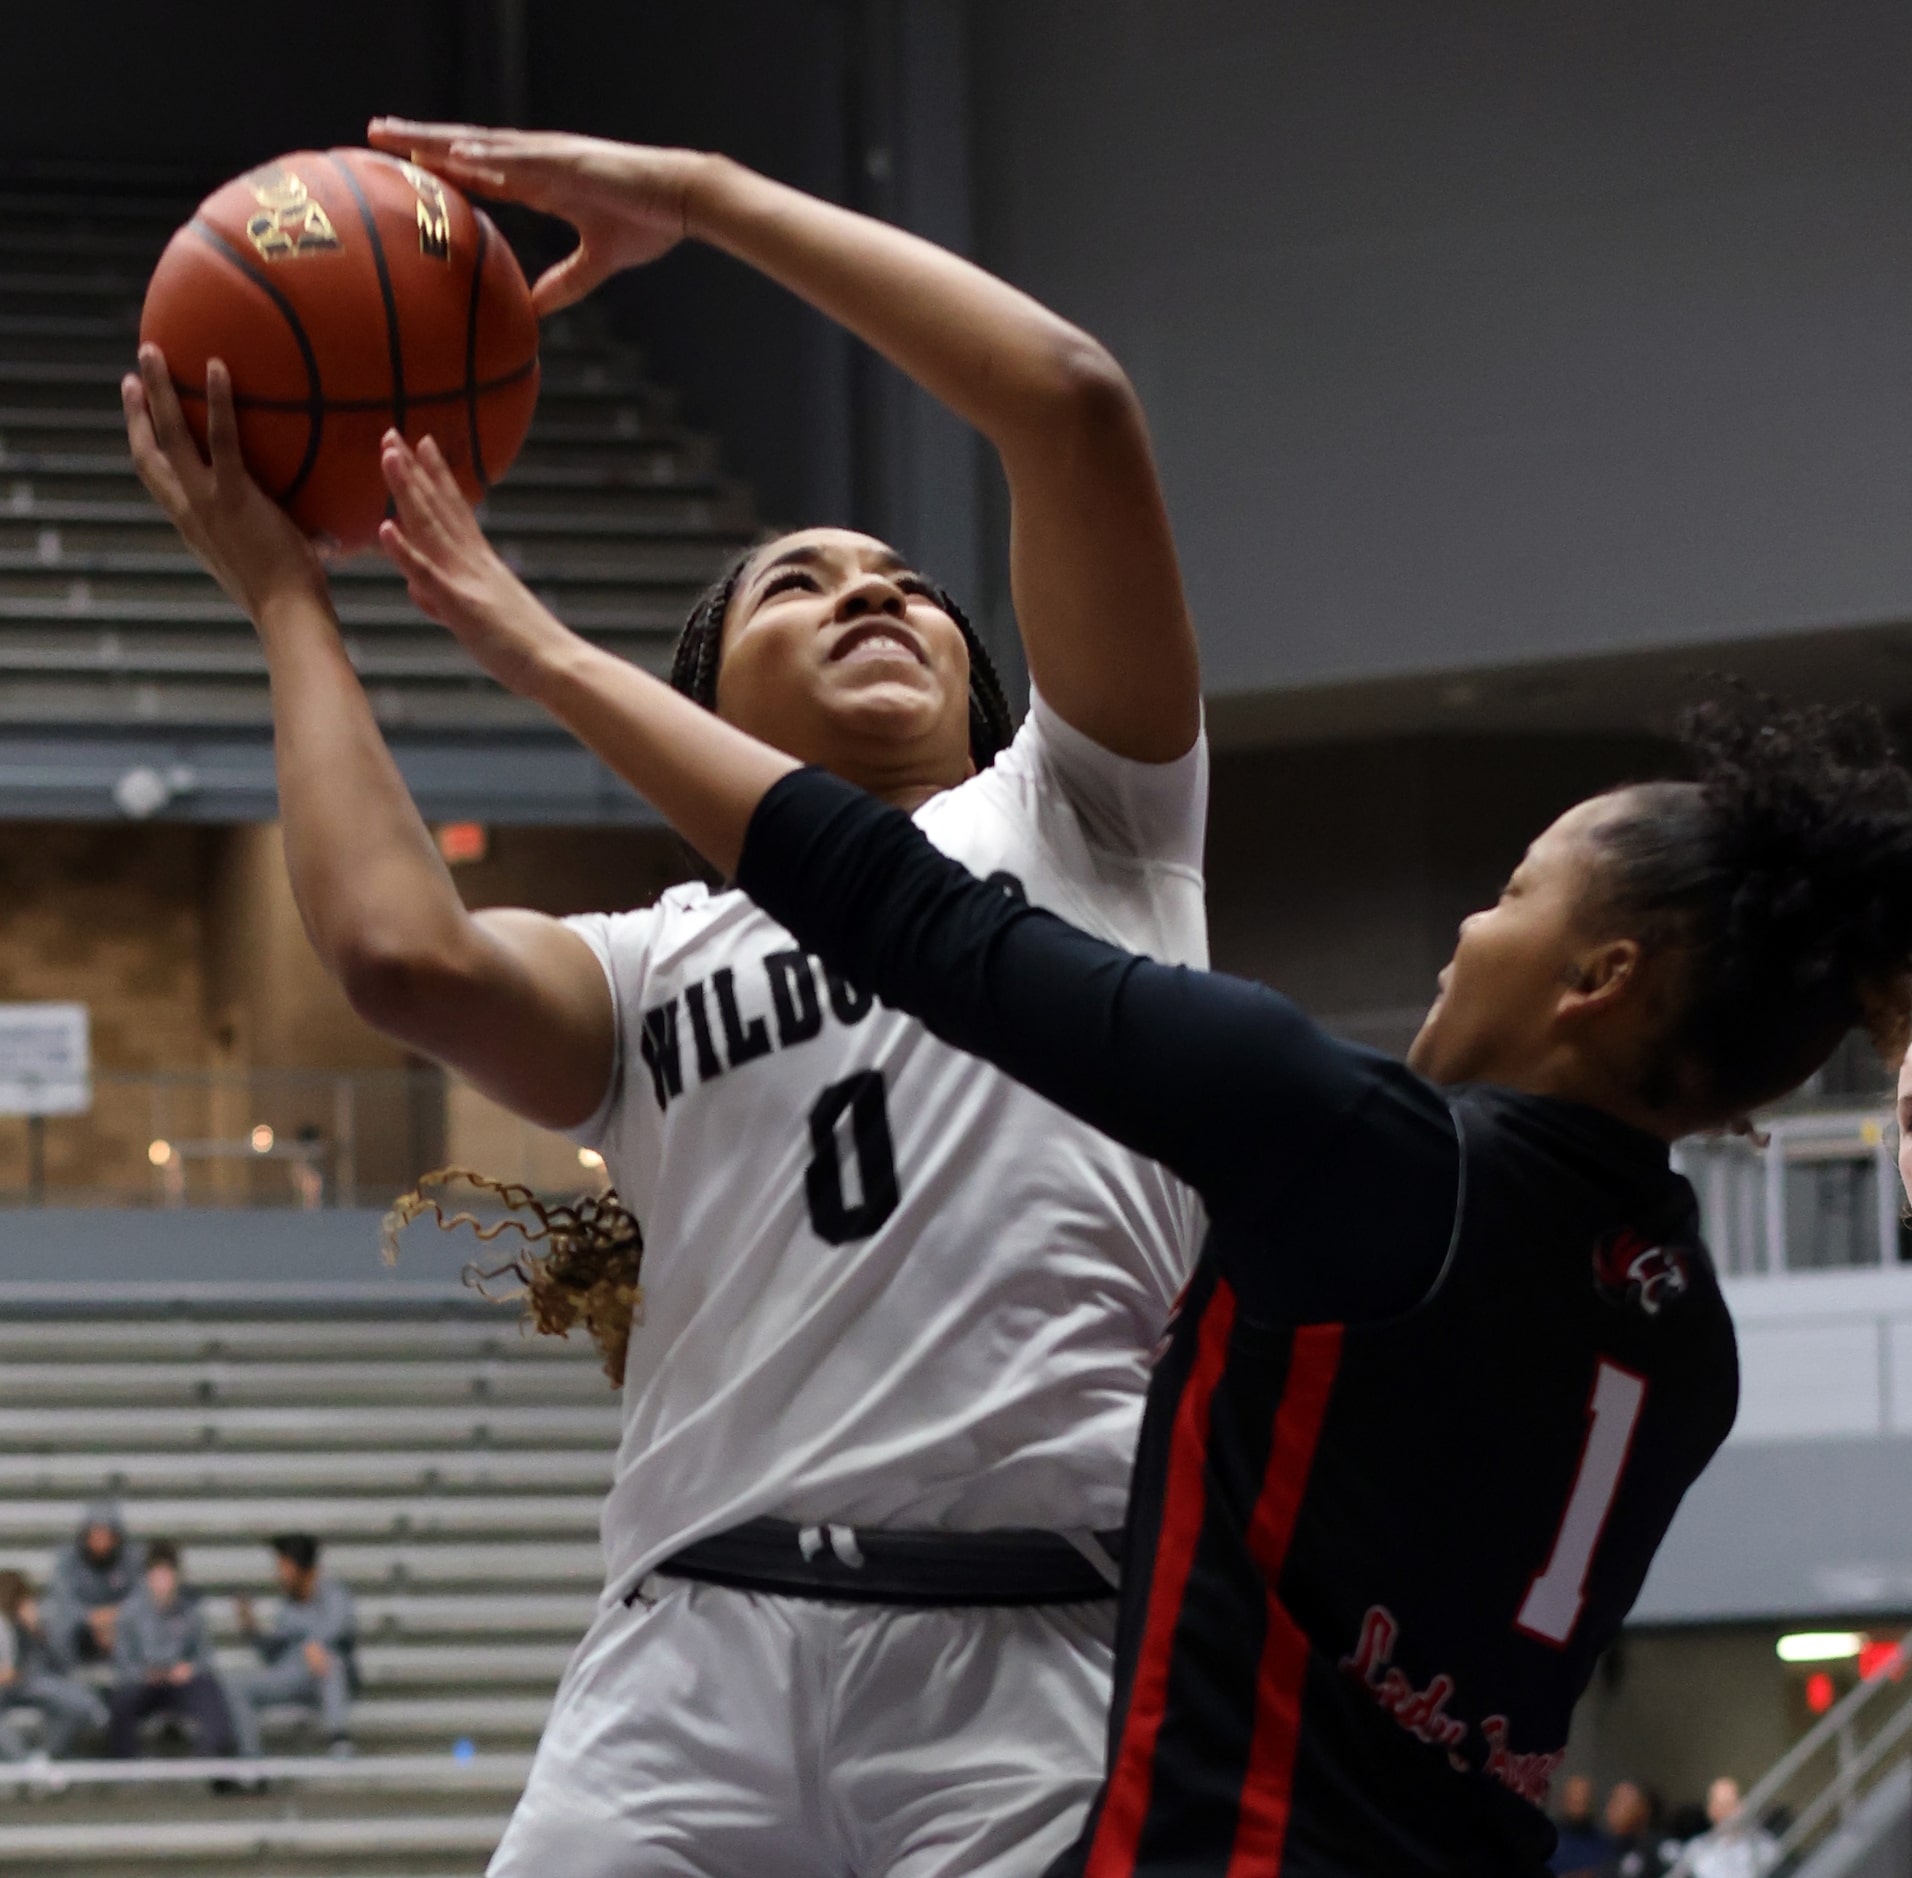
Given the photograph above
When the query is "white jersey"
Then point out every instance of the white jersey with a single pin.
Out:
(885, 1285)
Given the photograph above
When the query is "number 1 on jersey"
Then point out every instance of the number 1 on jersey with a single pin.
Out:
(1554, 1599)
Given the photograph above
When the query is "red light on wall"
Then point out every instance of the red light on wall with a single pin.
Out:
(1819, 1692)
(1877, 1657)
(460, 842)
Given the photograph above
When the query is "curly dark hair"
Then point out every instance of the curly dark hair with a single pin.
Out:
(579, 1264)
(1783, 871)
(700, 651)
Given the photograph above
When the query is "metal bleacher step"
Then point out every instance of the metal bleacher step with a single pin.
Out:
(717, 509)
(80, 585)
(80, 475)
(221, 1521)
(468, 1614)
(220, 1380)
(149, 656)
(455, 1564)
(363, 608)
(358, 1471)
(467, 707)
(101, 427)
(204, 1845)
(383, 1666)
(493, 1333)
(479, 1424)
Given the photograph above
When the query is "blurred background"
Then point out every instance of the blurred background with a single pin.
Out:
(1513, 368)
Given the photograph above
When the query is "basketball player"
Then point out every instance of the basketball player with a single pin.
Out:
(887, 1386)
(1453, 1351)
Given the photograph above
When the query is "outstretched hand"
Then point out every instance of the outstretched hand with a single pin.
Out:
(628, 202)
(242, 538)
(454, 575)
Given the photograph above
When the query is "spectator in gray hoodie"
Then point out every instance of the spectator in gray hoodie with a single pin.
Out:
(164, 1659)
(92, 1577)
(306, 1655)
(31, 1676)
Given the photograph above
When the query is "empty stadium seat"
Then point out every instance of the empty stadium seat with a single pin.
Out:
(615, 512)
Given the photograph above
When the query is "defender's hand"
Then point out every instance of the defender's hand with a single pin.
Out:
(453, 573)
(242, 538)
(629, 202)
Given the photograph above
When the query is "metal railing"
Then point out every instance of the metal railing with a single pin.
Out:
(1865, 1733)
(1818, 1192)
(269, 1138)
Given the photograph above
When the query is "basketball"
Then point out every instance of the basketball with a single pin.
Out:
(348, 293)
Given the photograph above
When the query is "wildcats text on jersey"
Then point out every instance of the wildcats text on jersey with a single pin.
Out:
(796, 991)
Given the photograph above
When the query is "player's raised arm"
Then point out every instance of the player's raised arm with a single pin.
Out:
(512, 1000)
(1226, 1083)
(1097, 588)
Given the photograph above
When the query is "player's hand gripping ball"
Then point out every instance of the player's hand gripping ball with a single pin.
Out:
(349, 293)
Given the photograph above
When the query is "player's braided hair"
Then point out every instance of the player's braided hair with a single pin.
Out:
(579, 1263)
(700, 652)
(1784, 872)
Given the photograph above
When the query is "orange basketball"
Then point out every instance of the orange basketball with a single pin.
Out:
(349, 293)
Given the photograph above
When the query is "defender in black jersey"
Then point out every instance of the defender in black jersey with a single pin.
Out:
(1452, 1355)
(1452, 1351)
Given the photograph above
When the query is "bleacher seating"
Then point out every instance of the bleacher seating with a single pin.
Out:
(615, 512)
(454, 1465)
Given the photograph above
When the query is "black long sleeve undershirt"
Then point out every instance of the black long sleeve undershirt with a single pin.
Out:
(1331, 1172)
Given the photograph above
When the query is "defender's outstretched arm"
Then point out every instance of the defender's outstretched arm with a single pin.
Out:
(1226, 1083)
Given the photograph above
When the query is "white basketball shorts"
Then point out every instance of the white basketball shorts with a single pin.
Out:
(711, 1733)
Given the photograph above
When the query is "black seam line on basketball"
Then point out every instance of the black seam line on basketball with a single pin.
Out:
(480, 222)
(246, 402)
(394, 344)
(313, 405)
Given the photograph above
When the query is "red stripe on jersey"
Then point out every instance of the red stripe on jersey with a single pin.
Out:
(1268, 1787)
(1184, 1504)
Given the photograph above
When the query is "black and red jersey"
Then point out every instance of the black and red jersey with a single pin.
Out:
(1446, 1366)
(1370, 1566)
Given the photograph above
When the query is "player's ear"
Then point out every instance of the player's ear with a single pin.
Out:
(1598, 977)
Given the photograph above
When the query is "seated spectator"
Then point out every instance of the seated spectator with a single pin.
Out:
(1637, 1848)
(31, 1675)
(1735, 1847)
(92, 1577)
(1583, 1847)
(164, 1660)
(307, 1653)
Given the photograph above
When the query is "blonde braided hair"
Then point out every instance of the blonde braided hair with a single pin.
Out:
(579, 1263)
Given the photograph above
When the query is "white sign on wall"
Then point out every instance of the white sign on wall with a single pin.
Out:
(46, 1060)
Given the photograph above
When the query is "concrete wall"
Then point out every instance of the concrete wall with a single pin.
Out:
(52, 1253)
(1339, 873)
(201, 84)
(1676, 1710)
(1484, 332)
(770, 82)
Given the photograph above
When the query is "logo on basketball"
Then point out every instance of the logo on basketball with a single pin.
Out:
(289, 223)
(434, 218)
(1633, 1272)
